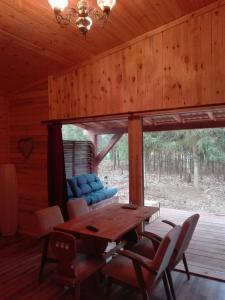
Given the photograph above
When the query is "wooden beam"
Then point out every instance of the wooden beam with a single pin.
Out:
(177, 118)
(211, 116)
(188, 125)
(37, 49)
(94, 139)
(136, 178)
(115, 138)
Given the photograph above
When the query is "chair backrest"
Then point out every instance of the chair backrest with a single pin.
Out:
(63, 246)
(187, 230)
(77, 207)
(165, 251)
(47, 218)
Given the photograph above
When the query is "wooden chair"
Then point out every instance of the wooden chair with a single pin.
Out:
(46, 219)
(149, 244)
(73, 268)
(77, 207)
(140, 272)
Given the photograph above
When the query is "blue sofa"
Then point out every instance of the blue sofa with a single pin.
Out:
(89, 187)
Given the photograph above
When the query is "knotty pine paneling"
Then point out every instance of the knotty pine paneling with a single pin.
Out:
(26, 112)
(181, 66)
(4, 131)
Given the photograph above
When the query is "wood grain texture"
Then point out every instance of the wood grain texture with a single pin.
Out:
(30, 35)
(4, 131)
(206, 252)
(26, 112)
(112, 222)
(136, 177)
(20, 258)
(182, 66)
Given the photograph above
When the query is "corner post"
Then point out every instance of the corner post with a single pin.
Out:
(135, 137)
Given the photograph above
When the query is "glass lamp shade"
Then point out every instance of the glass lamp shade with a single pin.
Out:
(58, 4)
(84, 24)
(106, 4)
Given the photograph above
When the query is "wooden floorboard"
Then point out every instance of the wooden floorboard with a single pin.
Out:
(19, 262)
(206, 252)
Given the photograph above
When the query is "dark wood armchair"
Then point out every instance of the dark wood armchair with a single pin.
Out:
(140, 272)
(46, 219)
(73, 267)
(148, 245)
(77, 207)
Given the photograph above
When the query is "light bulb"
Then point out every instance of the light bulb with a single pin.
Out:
(106, 4)
(58, 4)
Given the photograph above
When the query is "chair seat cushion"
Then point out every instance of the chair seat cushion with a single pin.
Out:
(86, 265)
(121, 268)
(144, 247)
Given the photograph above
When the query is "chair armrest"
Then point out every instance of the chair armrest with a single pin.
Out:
(137, 258)
(151, 236)
(169, 223)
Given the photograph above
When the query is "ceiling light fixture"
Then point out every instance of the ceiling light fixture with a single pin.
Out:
(83, 13)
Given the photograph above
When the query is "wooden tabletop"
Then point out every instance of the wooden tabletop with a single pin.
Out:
(112, 221)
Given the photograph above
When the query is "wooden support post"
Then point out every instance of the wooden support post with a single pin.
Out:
(115, 138)
(94, 140)
(135, 137)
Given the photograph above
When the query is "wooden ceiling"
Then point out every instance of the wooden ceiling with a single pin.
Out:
(33, 45)
(188, 119)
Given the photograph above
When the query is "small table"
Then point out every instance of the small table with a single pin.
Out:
(112, 222)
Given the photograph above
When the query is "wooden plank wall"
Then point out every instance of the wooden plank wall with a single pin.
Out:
(180, 65)
(4, 131)
(27, 109)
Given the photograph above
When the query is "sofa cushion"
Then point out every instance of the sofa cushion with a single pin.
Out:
(81, 179)
(96, 185)
(69, 191)
(85, 188)
(76, 190)
(91, 177)
(90, 187)
(110, 192)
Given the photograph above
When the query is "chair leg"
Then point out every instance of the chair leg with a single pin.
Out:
(97, 285)
(170, 280)
(43, 258)
(108, 288)
(77, 291)
(166, 286)
(186, 266)
(145, 295)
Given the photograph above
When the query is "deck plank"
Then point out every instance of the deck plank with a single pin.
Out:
(206, 252)
(19, 262)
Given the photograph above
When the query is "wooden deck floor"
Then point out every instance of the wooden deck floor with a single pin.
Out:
(19, 262)
(206, 253)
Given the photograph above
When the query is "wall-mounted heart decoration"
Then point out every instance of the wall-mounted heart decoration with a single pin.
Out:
(26, 146)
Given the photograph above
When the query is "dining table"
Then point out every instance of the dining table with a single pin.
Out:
(109, 223)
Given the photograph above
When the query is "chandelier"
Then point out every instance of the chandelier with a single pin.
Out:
(83, 13)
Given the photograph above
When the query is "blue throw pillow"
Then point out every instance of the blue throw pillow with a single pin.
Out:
(69, 191)
(74, 187)
(90, 177)
(85, 188)
(73, 183)
(81, 179)
(96, 185)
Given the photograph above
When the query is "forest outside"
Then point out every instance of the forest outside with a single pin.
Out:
(183, 169)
